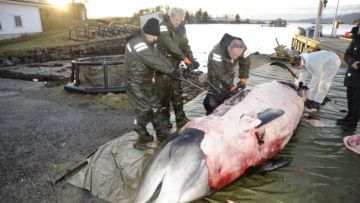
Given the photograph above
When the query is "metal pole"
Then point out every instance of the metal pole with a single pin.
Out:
(106, 78)
(317, 27)
(333, 31)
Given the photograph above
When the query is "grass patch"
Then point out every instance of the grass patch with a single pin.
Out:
(50, 38)
(55, 33)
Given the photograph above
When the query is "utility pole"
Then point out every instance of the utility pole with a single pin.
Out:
(334, 26)
(322, 3)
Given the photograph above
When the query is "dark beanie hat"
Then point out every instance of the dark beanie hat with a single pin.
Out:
(152, 27)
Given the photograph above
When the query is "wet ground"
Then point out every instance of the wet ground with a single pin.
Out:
(43, 129)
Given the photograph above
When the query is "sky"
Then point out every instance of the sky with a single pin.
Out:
(252, 9)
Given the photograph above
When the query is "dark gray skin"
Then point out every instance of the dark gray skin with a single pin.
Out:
(177, 172)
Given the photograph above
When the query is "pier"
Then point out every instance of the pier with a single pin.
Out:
(337, 45)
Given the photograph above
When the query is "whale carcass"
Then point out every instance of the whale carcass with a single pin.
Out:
(210, 152)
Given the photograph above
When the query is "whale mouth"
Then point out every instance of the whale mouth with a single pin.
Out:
(167, 178)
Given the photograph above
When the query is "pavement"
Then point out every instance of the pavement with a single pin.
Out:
(43, 129)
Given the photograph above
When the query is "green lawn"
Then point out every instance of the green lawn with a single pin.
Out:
(50, 38)
(56, 30)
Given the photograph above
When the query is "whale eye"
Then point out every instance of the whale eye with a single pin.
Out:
(218, 170)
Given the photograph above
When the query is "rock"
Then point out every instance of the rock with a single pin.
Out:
(105, 47)
(7, 62)
(15, 60)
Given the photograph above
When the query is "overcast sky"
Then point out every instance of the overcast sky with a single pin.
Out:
(252, 9)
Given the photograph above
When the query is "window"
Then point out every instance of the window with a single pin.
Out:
(0, 26)
(18, 22)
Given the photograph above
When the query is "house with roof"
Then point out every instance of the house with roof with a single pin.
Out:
(19, 17)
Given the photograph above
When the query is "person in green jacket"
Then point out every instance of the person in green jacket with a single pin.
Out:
(223, 58)
(142, 59)
(173, 43)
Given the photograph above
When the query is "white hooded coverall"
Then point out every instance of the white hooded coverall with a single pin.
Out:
(322, 65)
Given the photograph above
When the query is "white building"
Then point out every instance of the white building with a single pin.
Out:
(19, 17)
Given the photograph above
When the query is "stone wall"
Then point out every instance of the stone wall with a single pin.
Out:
(35, 55)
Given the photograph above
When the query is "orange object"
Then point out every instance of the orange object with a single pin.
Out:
(244, 81)
(233, 88)
(187, 60)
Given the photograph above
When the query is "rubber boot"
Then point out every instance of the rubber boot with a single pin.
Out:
(143, 140)
(344, 120)
(163, 135)
(350, 125)
(312, 104)
(180, 122)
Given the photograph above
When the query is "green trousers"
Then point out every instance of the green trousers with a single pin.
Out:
(169, 91)
(146, 107)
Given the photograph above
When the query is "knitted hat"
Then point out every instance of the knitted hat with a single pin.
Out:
(152, 27)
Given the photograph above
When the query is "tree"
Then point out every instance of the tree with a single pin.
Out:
(198, 15)
(188, 17)
(162, 9)
(205, 17)
(237, 18)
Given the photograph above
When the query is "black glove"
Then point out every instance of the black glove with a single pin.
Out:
(195, 64)
(240, 86)
(302, 86)
(176, 74)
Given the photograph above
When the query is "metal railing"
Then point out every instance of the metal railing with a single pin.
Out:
(91, 31)
(99, 61)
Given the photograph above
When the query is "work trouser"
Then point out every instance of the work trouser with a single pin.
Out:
(146, 107)
(169, 91)
(353, 97)
(320, 84)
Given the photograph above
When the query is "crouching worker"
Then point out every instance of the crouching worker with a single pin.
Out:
(323, 66)
(142, 59)
(222, 60)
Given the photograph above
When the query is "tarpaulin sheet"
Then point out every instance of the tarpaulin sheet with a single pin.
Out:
(322, 169)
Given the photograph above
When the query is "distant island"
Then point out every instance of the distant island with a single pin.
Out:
(204, 17)
(347, 19)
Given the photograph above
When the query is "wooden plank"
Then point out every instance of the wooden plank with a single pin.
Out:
(73, 167)
(337, 45)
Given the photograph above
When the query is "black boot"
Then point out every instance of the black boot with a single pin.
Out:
(162, 135)
(312, 104)
(350, 125)
(146, 138)
(181, 122)
(344, 120)
(143, 140)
